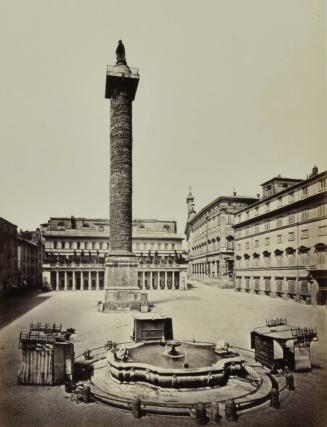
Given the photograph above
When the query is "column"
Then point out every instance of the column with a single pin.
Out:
(74, 280)
(89, 284)
(82, 281)
(173, 280)
(166, 284)
(65, 280)
(57, 280)
(143, 279)
(97, 281)
(151, 280)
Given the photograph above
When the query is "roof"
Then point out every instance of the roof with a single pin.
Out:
(221, 199)
(282, 332)
(280, 178)
(150, 316)
(286, 190)
(7, 222)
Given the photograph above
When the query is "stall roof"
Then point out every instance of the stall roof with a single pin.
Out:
(150, 316)
(282, 332)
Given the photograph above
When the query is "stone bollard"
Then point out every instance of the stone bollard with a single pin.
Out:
(201, 414)
(215, 417)
(87, 394)
(274, 398)
(290, 382)
(136, 408)
(230, 410)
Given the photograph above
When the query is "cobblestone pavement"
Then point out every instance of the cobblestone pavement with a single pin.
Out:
(203, 313)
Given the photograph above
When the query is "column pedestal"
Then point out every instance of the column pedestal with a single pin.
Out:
(121, 290)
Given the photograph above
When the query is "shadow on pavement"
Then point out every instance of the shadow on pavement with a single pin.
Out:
(13, 307)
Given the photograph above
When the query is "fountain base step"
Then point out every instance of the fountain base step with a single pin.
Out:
(178, 402)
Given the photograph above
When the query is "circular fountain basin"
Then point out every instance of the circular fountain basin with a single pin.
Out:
(149, 364)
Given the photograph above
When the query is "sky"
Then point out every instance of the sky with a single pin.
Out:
(231, 93)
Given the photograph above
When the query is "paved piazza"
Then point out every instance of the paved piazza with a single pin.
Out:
(203, 313)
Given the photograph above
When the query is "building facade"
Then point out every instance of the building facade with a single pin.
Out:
(76, 249)
(8, 256)
(281, 240)
(30, 250)
(210, 239)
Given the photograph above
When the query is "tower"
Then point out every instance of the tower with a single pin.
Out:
(190, 205)
(121, 288)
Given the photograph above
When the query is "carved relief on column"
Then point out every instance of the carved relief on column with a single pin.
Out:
(121, 172)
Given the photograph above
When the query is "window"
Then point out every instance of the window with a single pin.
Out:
(247, 245)
(304, 191)
(304, 257)
(256, 211)
(322, 184)
(279, 222)
(256, 283)
(279, 201)
(267, 206)
(279, 285)
(291, 236)
(267, 284)
(267, 241)
(290, 285)
(291, 197)
(304, 214)
(267, 225)
(229, 219)
(247, 214)
(256, 243)
(322, 230)
(322, 210)
(279, 238)
(257, 228)
(304, 234)
(279, 260)
(256, 260)
(291, 218)
(304, 289)
(55, 245)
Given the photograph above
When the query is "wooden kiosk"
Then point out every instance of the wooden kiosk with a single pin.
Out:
(278, 345)
(150, 327)
(47, 355)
